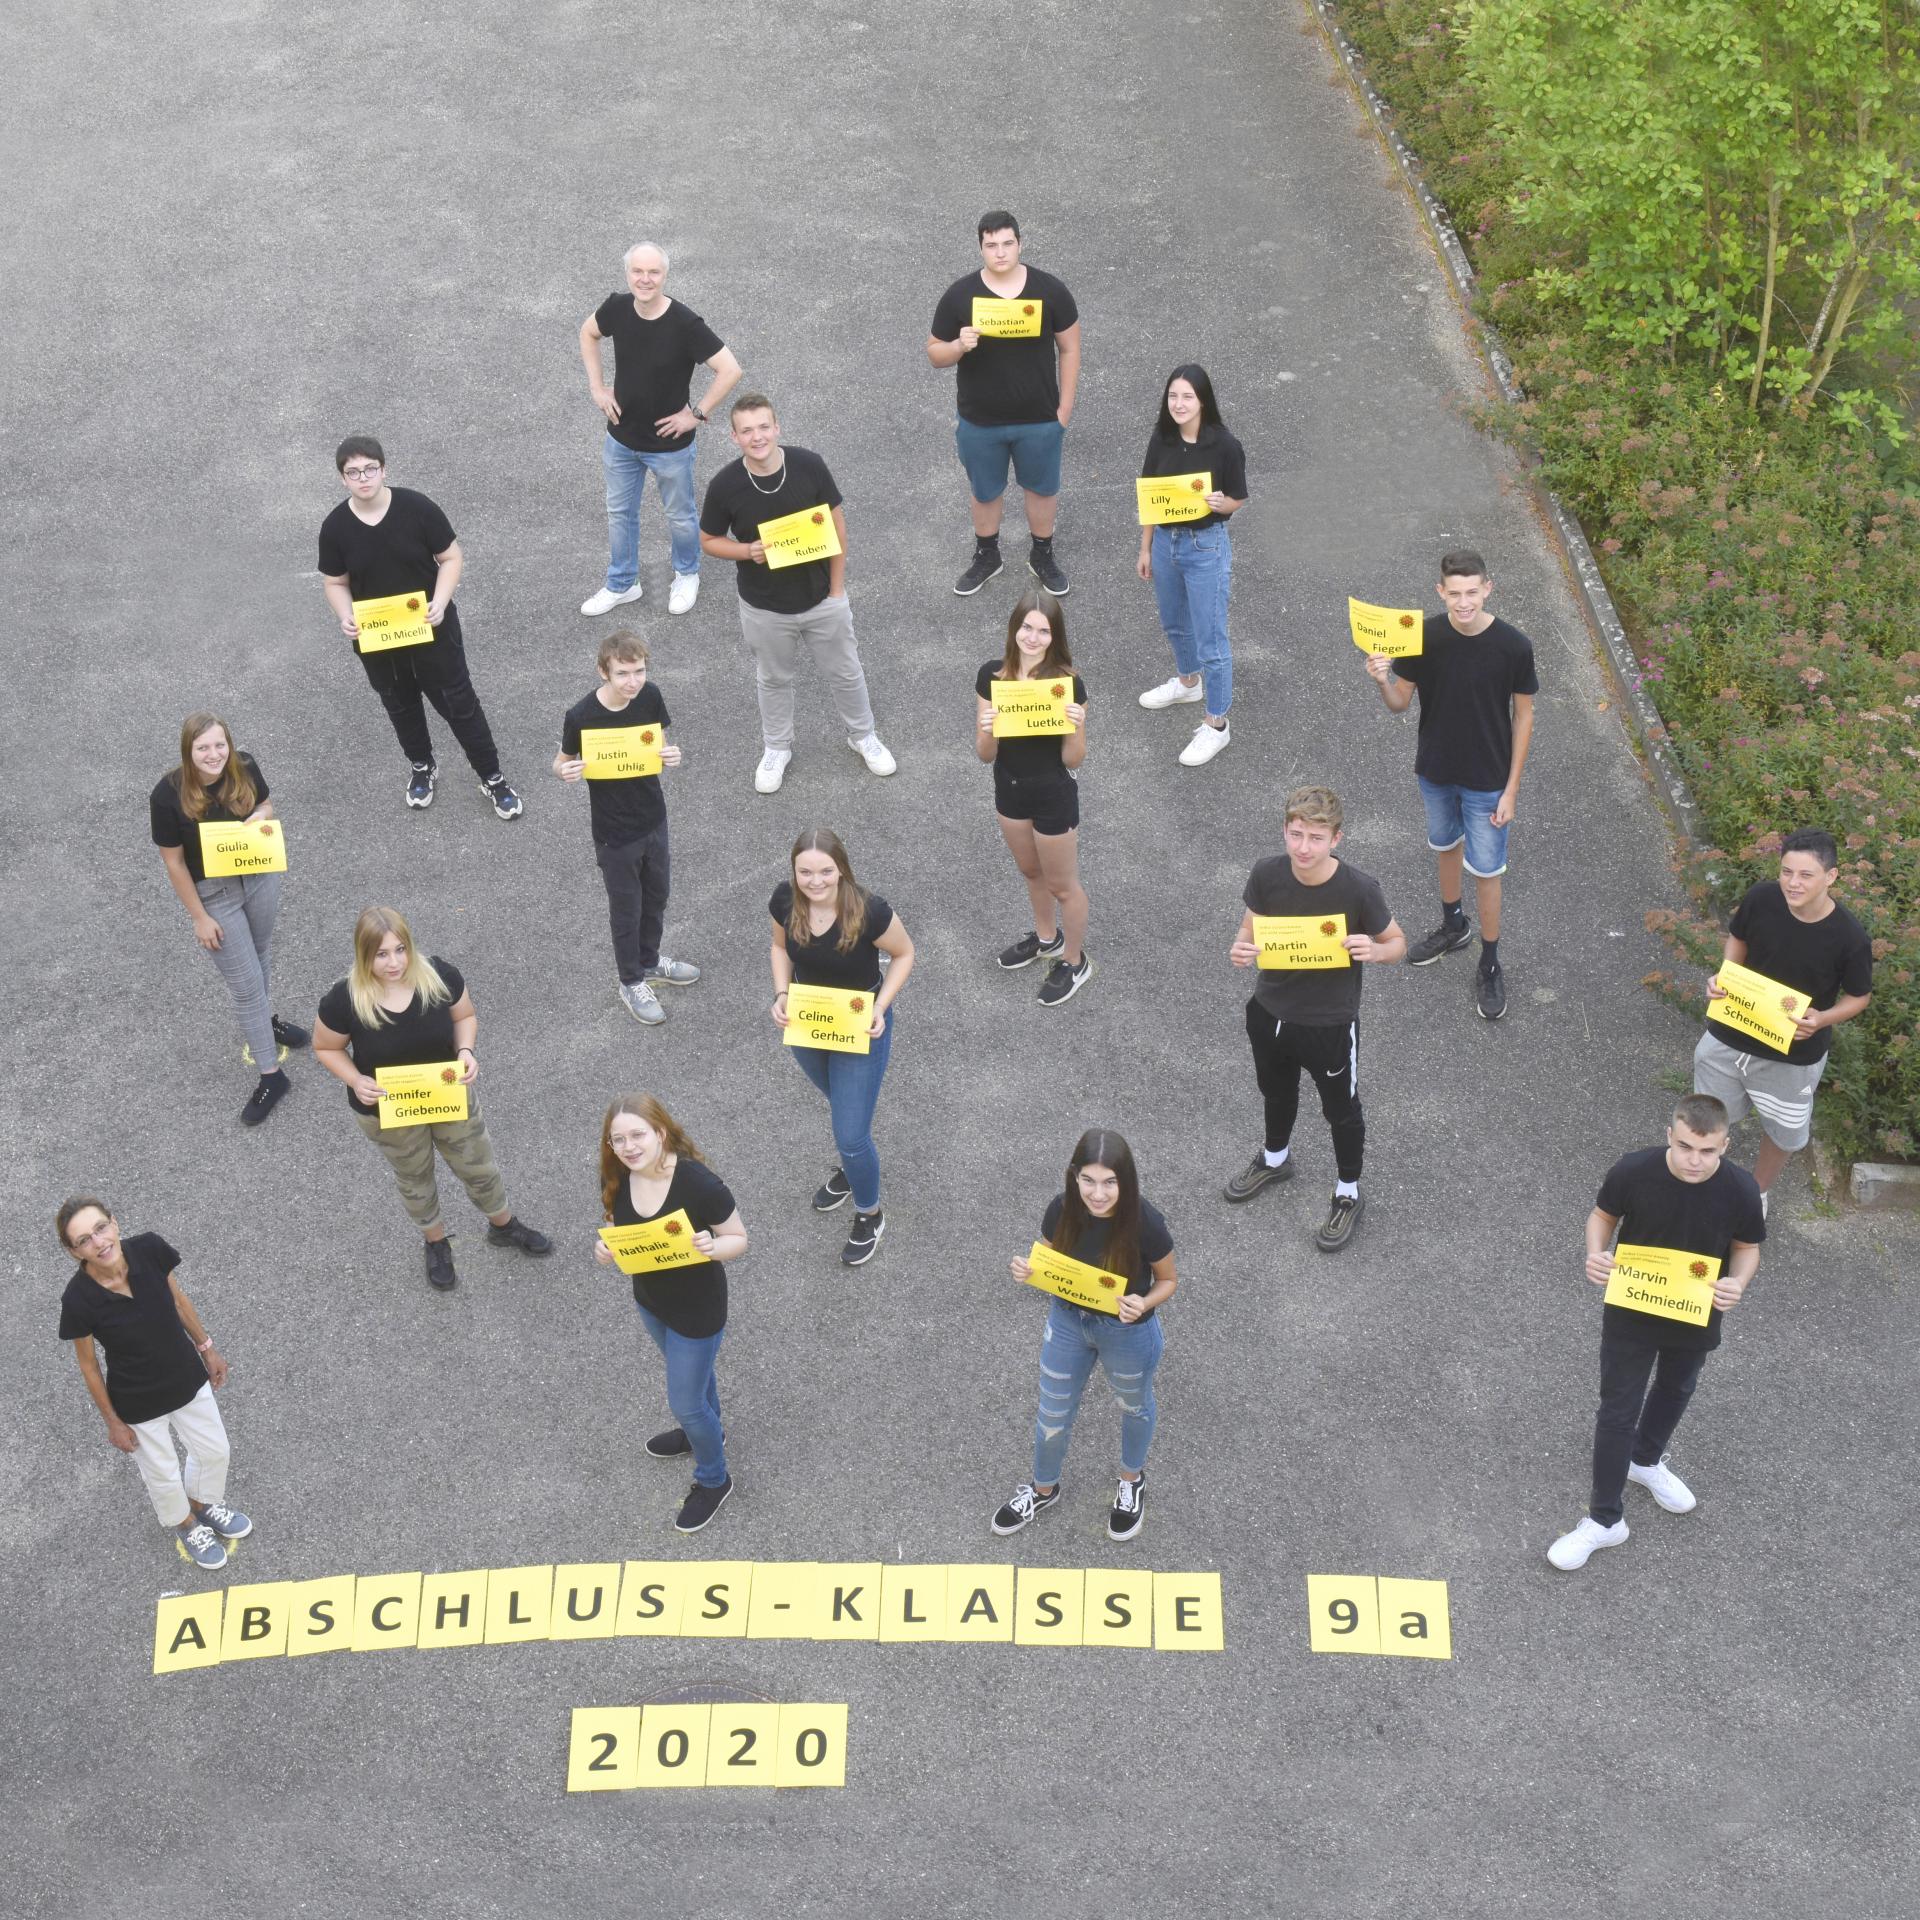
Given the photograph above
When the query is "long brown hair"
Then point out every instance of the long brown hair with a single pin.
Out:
(1056, 659)
(852, 899)
(1099, 1148)
(641, 1106)
(363, 987)
(234, 789)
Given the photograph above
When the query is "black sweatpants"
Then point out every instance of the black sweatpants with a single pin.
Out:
(637, 874)
(1281, 1050)
(1636, 1420)
(405, 686)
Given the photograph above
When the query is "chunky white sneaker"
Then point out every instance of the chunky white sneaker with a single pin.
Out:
(604, 600)
(878, 759)
(1208, 740)
(683, 593)
(1173, 693)
(1575, 1549)
(771, 770)
(1665, 1485)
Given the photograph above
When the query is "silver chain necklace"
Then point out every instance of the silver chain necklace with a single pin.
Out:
(779, 479)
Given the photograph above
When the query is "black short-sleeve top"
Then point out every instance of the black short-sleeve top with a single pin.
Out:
(1007, 383)
(1036, 756)
(394, 555)
(818, 960)
(653, 363)
(416, 1036)
(1156, 1242)
(1214, 451)
(168, 821)
(690, 1300)
(152, 1368)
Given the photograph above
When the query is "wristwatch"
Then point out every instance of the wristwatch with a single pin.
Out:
(699, 412)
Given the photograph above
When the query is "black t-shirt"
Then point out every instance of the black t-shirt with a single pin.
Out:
(653, 363)
(416, 1036)
(691, 1300)
(1032, 756)
(1155, 1244)
(394, 557)
(1324, 997)
(1007, 383)
(738, 505)
(170, 826)
(622, 810)
(817, 959)
(1467, 683)
(1215, 451)
(151, 1365)
(1822, 959)
(1655, 1208)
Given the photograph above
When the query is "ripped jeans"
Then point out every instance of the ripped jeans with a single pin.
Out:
(1128, 1356)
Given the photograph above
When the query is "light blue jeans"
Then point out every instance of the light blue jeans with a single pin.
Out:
(626, 479)
(851, 1082)
(693, 1394)
(1128, 1355)
(1192, 577)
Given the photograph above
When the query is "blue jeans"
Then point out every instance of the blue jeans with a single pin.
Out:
(693, 1395)
(1463, 814)
(1192, 576)
(851, 1082)
(1074, 1339)
(626, 479)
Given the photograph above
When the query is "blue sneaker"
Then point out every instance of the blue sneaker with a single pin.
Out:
(197, 1542)
(225, 1521)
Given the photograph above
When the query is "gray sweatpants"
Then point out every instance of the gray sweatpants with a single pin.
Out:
(774, 640)
(246, 907)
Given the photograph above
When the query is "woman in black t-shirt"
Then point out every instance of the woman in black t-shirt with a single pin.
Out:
(1101, 1219)
(1036, 797)
(397, 1008)
(828, 931)
(650, 1170)
(1190, 564)
(232, 917)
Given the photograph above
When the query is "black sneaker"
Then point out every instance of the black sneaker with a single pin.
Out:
(1448, 937)
(669, 1445)
(1129, 1509)
(1046, 569)
(1026, 1502)
(506, 803)
(1490, 992)
(1064, 980)
(1029, 948)
(420, 787)
(516, 1233)
(1342, 1217)
(985, 565)
(701, 1504)
(837, 1191)
(288, 1035)
(1255, 1175)
(863, 1239)
(273, 1088)
(440, 1271)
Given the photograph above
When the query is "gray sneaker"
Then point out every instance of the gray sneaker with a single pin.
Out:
(1257, 1174)
(228, 1522)
(671, 973)
(639, 1000)
(198, 1542)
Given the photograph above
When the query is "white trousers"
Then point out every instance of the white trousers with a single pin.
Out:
(201, 1431)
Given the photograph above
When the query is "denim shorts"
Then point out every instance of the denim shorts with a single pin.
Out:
(1033, 448)
(1455, 814)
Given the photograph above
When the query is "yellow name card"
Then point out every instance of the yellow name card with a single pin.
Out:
(1295, 942)
(655, 1245)
(830, 1018)
(796, 538)
(1167, 501)
(398, 620)
(620, 753)
(1025, 707)
(1755, 1005)
(1007, 319)
(1660, 1280)
(1398, 632)
(421, 1096)
(236, 847)
(1074, 1281)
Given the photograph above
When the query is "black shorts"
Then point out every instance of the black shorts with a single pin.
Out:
(1051, 804)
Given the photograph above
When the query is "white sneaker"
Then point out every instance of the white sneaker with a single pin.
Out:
(605, 600)
(1207, 741)
(878, 759)
(1765, 1196)
(771, 770)
(683, 593)
(1665, 1485)
(1173, 693)
(1575, 1549)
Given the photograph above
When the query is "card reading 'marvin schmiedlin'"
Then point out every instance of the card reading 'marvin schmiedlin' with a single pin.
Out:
(655, 1244)
(831, 1018)
(1663, 1281)
(1768, 1010)
(1007, 319)
(235, 848)
(1074, 1281)
(1398, 632)
(1172, 498)
(620, 753)
(796, 538)
(421, 1096)
(395, 620)
(1294, 942)
(1022, 708)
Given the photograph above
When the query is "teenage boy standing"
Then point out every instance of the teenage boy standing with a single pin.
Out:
(1310, 1017)
(1476, 680)
(1683, 1197)
(629, 824)
(1794, 931)
(1015, 397)
(382, 540)
(782, 607)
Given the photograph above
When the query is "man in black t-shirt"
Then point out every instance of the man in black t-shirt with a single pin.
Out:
(1476, 682)
(786, 602)
(1791, 930)
(1015, 393)
(1681, 1200)
(1305, 1011)
(383, 540)
(629, 821)
(651, 419)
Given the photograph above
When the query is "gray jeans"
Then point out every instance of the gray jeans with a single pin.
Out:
(774, 640)
(246, 907)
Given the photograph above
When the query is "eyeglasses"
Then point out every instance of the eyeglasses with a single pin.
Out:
(358, 473)
(79, 1240)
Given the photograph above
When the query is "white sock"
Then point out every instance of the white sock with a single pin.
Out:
(1346, 1189)
(1274, 1159)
